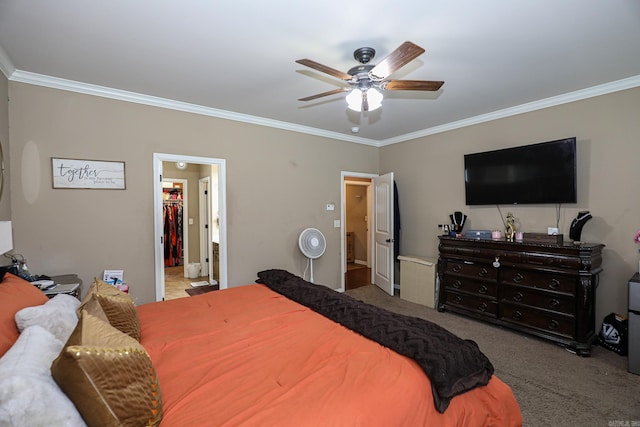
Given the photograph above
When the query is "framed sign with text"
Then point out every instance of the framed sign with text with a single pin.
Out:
(87, 174)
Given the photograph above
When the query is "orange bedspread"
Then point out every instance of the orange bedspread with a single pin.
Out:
(249, 356)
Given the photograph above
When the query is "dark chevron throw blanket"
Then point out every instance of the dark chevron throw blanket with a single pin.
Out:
(452, 364)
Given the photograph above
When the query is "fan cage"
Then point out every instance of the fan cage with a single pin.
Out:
(312, 243)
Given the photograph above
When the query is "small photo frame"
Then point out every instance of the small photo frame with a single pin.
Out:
(87, 174)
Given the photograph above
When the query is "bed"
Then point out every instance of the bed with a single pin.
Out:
(265, 354)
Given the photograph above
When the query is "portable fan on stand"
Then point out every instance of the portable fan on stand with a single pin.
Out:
(312, 245)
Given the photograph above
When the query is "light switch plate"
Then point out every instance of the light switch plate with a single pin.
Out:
(552, 231)
(330, 206)
(336, 223)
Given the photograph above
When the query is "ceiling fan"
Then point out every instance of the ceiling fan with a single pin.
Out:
(367, 80)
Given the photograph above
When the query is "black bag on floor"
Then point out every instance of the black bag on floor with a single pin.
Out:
(614, 334)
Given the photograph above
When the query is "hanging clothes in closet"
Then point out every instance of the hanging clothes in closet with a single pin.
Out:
(172, 228)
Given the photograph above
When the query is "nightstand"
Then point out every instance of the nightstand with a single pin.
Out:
(65, 284)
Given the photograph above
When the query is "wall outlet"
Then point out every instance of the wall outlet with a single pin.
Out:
(552, 231)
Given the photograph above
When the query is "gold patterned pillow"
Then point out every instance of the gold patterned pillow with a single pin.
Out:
(108, 376)
(93, 307)
(117, 306)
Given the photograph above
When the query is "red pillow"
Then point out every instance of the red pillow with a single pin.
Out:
(15, 294)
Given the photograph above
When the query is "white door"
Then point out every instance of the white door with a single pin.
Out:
(383, 232)
(205, 232)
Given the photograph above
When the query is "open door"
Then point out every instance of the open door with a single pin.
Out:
(204, 226)
(383, 232)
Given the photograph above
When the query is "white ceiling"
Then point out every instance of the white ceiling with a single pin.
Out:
(235, 58)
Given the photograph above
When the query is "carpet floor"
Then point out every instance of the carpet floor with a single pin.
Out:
(553, 386)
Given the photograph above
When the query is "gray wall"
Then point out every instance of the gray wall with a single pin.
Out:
(278, 183)
(429, 174)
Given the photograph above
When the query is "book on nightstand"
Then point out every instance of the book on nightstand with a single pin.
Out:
(66, 288)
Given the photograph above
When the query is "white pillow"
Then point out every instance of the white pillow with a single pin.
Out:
(28, 394)
(58, 316)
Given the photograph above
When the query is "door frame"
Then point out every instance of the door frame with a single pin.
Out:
(344, 179)
(158, 158)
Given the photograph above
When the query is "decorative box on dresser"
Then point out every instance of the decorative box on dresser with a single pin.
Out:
(547, 290)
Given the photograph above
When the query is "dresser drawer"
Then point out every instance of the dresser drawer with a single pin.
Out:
(482, 306)
(553, 260)
(548, 301)
(538, 280)
(531, 318)
(473, 270)
(457, 283)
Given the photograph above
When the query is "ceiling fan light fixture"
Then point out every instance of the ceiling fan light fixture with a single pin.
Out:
(374, 98)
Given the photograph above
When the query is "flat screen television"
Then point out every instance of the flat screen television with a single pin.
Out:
(542, 173)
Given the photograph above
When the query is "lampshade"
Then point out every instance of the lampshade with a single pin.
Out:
(374, 99)
(6, 237)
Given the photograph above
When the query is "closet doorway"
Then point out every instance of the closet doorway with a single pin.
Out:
(176, 225)
(190, 227)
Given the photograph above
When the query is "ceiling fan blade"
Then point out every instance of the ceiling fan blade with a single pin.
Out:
(323, 68)
(412, 85)
(320, 95)
(396, 59)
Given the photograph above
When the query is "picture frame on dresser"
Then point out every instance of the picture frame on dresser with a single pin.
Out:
(542, 289)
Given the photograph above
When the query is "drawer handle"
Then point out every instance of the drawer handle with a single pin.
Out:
(483, 289)
(483, 307)
(456, 268)
(457, 284)
(517, 315)
(457, 299)
(483, 272)
(555, 284)
(518, 296)
(554, 304)
(553, 324)
(518, 278)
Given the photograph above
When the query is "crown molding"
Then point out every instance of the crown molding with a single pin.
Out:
(122, 95)
(6, 66)
(603, 89)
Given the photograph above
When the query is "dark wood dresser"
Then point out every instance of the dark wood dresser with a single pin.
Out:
(547, 290)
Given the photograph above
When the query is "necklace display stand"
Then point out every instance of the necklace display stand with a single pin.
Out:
(457, 221)
(575, 231)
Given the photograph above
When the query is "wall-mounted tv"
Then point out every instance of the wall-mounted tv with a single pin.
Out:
(531, 174)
